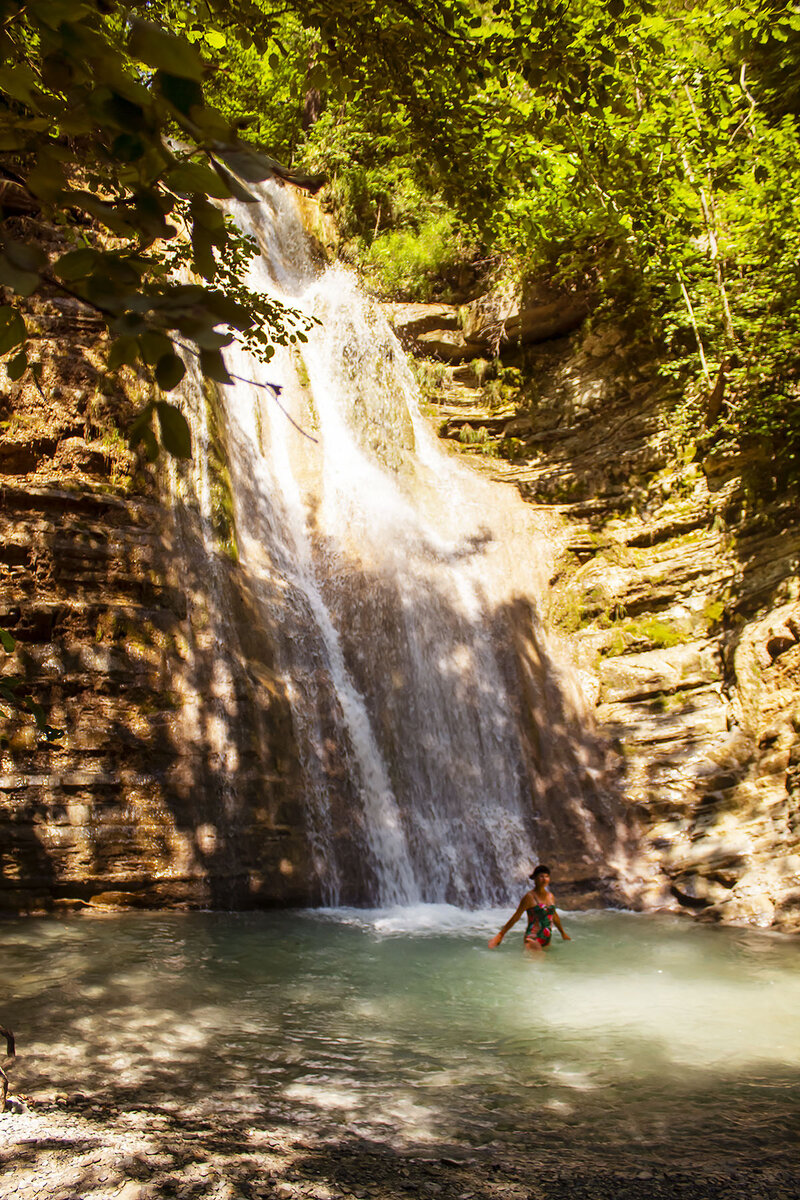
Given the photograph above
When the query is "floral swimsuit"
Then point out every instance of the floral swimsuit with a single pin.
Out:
(540, 924)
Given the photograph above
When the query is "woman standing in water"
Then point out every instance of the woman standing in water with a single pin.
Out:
(540, 906)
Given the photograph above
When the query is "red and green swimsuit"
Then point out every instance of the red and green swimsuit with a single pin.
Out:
(540, 923)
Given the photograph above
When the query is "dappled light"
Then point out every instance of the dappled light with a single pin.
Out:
(309, 1035)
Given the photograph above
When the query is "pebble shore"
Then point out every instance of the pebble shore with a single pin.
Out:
(74, 1148)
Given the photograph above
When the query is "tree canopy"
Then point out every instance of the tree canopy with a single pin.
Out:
(643, 150)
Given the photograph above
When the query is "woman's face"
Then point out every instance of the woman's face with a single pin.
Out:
(543, 881)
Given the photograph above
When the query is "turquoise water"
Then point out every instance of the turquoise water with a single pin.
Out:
(404, 1027)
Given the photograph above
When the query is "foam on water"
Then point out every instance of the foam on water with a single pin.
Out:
(419, 919)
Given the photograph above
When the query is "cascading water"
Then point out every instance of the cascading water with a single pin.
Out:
(393, 573)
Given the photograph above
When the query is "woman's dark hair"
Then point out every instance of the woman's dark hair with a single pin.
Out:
(540, 870)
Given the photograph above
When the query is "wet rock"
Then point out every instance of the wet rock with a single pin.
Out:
(76, 454)
(447, 344)
(411, 320)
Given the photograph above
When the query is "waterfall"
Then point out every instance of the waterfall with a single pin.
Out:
(396, 576)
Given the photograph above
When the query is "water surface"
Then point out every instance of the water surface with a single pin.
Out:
(402, 1026)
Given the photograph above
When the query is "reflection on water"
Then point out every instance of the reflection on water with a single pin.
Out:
(405, 1027)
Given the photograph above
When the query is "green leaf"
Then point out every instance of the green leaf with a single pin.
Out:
(154, 346)
(203, 253)
(76, 264)
(212, 364)
(170, 370)
(7, 641)
(232, 183)
(17, 366)
(190, 178)
(148, 440)
(183, 94)
(175, 435)
(247, 165)
(128, 148)
(124, 352)
(140, 425)
(47, 180)
(20, 83)
(12, 329)
(24, 283)
(154, 46)
(24, 255)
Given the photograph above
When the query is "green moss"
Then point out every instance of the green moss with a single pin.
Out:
(568, 612)
(713, 612)
(655, 633)
(659, 633)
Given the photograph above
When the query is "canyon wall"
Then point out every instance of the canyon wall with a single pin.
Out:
(176, 779)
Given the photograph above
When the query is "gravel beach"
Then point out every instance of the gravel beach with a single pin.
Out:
(77, 1148)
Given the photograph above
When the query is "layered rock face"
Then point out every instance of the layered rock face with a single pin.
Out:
(676, 592)
(176, 779)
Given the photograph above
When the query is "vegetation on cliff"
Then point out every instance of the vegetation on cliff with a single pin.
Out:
(645, 151)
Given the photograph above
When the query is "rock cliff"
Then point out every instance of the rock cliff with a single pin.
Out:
(176, 779)
(676, 590)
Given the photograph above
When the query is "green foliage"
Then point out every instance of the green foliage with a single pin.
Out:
(105, 131)
(409, 263)
(641, 151)
(652, 631)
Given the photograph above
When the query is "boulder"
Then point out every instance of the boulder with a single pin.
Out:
(448, 344)
(410, 320)
(536, 314)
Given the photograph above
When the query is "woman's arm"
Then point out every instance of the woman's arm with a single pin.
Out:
(498, 937)
(560, 927)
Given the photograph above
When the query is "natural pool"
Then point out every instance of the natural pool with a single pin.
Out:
(644, 1034)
